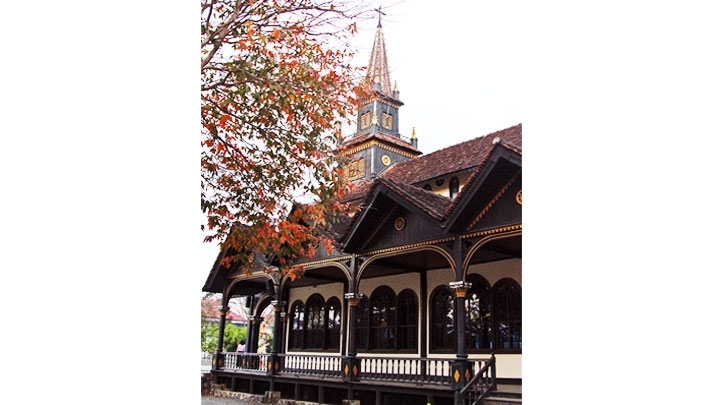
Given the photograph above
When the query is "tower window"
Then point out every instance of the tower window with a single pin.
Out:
(355, 169)
(387, 121)
(365, 120)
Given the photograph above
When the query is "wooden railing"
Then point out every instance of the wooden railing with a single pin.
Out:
(481, 384)
(402, 370)
(413, 370)
(246, 361)
(313, 365)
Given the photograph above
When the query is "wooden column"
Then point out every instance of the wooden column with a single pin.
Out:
(219, 359)
(274, 365)
(351, 365)
(254, 333)
(462, 371)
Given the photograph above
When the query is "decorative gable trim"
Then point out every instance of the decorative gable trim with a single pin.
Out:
(380, 226)
(493, 231)
(412, 246)
(494, 200)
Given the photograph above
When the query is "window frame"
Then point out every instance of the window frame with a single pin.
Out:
(439, 323)
(502, 310)
(481, 288)
(297, 326)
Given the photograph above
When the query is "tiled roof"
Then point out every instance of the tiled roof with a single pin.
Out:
(432, 204)
(358, 192)
(336, 226)
(462, 156)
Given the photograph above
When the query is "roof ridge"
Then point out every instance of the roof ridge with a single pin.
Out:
(452, 159)
(475, 139)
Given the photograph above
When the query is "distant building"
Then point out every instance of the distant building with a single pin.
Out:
(211, 313)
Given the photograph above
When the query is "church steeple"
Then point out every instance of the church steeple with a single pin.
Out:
(379, 112)
(378, 70)
(377, 144)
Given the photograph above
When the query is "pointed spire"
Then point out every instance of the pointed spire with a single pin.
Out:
(378, 69)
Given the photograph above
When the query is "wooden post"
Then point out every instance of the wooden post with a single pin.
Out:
(274, 365)
(218, 361)
(351, 365)
(462, 371)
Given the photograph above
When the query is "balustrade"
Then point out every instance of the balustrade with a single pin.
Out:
(418, 371)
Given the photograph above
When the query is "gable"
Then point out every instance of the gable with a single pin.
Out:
(393, 215)
(399, 227)
(504, 208)
(500, 174)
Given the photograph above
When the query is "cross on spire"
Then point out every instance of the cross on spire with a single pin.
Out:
(379, 11)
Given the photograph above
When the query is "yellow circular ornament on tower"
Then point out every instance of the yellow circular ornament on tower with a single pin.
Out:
(385, 160)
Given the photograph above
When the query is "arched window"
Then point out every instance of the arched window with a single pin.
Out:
(297, 325)
(315, 326)
(382, 319)
(362, 324)
(478, 325)
(442, 313)
(454, 187)
(334, 312)
(407, 320)
(507, 314)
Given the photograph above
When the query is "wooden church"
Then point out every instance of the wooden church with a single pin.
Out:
(421, 303)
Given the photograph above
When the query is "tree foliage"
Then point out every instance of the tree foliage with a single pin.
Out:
(210, 327)
(209, 333)
(276, 86)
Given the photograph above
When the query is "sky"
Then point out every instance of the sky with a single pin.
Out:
(619, 103)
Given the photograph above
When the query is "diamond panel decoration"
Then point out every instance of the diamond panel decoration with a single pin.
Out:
(456, 376)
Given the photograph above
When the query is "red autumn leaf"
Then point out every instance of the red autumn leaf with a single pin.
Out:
(223, 120)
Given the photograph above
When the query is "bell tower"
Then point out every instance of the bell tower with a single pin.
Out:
(377, 143)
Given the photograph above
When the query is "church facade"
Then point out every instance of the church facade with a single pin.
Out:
(421, 300)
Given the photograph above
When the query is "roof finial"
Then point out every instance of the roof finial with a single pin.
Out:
(379, 10)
